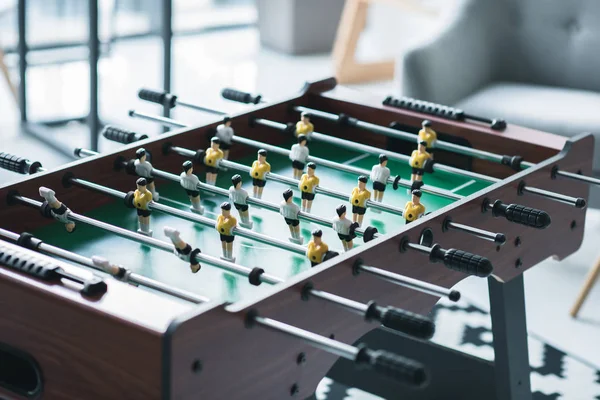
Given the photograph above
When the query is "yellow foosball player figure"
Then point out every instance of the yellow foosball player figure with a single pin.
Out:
(304, 126)
(417, 161)
(212, 157)
(183, 250)
(189, 182)
(413, 208)
(308, 185)
(428, 135)
(141, 198)
(225, 224)
(58, 210)
(143, 169)
(258, 172)
(316, 248)
(289, 210)
(344, 227)
(380, 174)
(358, 199)
(225, 134)
(299, 156)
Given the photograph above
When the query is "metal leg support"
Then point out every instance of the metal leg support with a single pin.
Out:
(507, 302)
(167, 38)
(94, 49)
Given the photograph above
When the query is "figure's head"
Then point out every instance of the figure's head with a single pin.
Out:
(416, 196)
(383, 160)
(422, 146)
(141, 154)
(225, 209)
(317, 234)
(305, 117)
(188, 167)
(362, 182)
(426, 124)
(215, 143)
(141, 184)
(227, 121)
(302, 140)
(236, 181)
(288, 196)
(341, 211)
(310, 168)
(262, 155)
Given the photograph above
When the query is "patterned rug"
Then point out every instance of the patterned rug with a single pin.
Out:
(555, 375)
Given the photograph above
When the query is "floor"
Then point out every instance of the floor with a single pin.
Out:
(204, 65)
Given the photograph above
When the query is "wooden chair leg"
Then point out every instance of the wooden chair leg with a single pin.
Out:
(6, 73)
(585, 290)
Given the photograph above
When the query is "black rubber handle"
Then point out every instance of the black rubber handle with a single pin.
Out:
(403, 321)
(121, 135)
(240, 97)
(16, 164)
(426, 107)
(462, 261)
(393, 366)
(158, 97)
(519, 214)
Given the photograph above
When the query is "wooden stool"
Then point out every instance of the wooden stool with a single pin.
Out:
(585, 290)
(4, 71)
(352, 23)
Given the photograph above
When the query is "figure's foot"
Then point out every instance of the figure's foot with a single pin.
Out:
(198, 211)
(247, 225)
(299, 240)
(145, 233)
(155, 196)
(230, 259)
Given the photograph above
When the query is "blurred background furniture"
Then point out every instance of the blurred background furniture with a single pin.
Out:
(532, 63)
(590, 280)
(354, 19)
(4, 71)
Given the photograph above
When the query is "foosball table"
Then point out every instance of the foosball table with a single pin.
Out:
(250, 257)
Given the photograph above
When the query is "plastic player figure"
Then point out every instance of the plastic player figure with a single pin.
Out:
(212, 157)
(258, 172)
(380, 174)
(413, 208)
(316, 248)
(58, 210)
(141, 198)
(417, 161)
(428, 135)
(304, 126)
(308, 185)
(358, 199)
(144, 170)
(290, 211)
(225, 224)
(299, 156)
(225, 133)
(183, 250)
(239, 198)
(190, 183)
(344, 227)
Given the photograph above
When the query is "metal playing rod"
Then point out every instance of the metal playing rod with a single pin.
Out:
(392, 365)
(498, 238)
(372, 150)
(577, 202)
(119, 273)
(158, 244)
(259, 237)
(390, 132)
(391, 317)
(410, 283)
(577, 177)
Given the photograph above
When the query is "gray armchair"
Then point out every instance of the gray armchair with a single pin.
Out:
(532, 62)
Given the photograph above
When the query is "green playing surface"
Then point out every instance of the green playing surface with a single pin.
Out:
(214, 282)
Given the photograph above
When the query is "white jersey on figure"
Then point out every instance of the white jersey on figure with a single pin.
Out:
(299, 153)
(342, 225)
(225, 133)
(143, 169)
(289, 211)
(238, 196)
(380, 174)
(189, 182)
